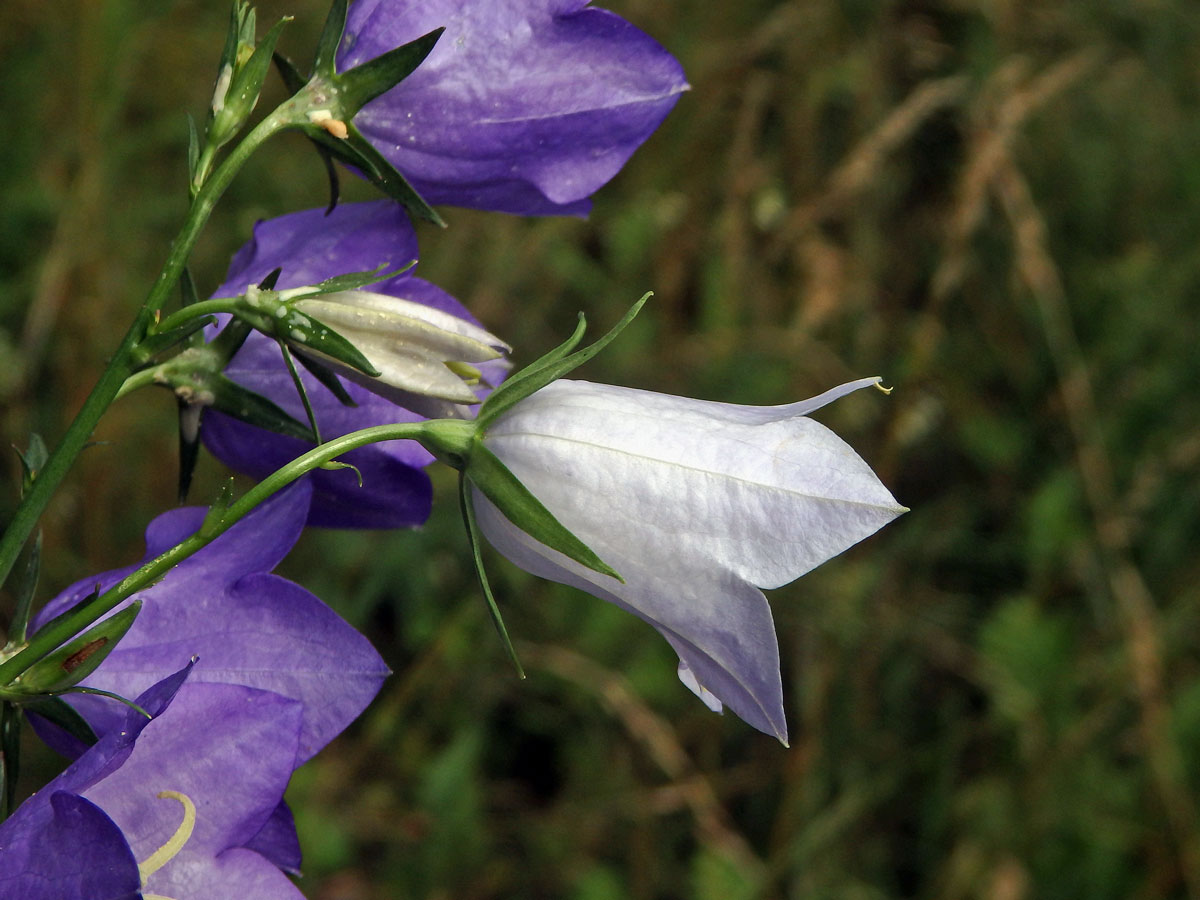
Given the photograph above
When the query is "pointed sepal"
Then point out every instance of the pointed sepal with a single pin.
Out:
(75, 660)
(525, 511)
(551, 367)
(359, 86)
(466, 504)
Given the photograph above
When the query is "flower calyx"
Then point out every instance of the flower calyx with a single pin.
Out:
(324, 104)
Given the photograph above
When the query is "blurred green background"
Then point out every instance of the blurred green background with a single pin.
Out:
(994, 205)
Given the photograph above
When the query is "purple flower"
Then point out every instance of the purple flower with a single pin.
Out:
(310, 247)
(169, 806)
(246, 626)
(524, 106)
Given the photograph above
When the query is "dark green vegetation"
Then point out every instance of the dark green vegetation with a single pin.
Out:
(996, 206)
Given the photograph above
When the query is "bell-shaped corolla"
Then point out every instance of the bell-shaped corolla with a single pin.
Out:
(244, 625)
(175, 806)
(523, 106)
(696, 505)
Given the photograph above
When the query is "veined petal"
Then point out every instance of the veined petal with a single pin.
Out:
(720, 626)
(524, 106)
(766, 496)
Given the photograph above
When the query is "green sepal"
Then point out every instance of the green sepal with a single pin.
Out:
(234, 400)
(59, 712)
(10, 757)
(154, 344)
(78, 658)
(190, 420)
(550, 368)
(467, 505)
(32, 460)
(294, 81)
(349, 282)
(244, 89)
(355, 150)
(524, 510)
(326, 376)
(25, 590)
(301, 390)
(510, 392)
(359, 86)
(216, 512)
(331, 36)
(304, 332)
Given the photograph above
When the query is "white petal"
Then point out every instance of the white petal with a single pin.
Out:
(720, 626)
(765, 497)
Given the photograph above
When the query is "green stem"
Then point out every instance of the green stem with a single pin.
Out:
(120, 366)
(66, 626)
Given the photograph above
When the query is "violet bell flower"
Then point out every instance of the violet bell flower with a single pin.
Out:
(523, 106)
(166, 807)
(246, 627)
(310, 247)
(696, 505)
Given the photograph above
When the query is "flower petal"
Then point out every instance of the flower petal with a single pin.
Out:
(523, 106)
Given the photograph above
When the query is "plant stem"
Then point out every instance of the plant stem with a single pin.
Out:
(120, 366)
(71, 623)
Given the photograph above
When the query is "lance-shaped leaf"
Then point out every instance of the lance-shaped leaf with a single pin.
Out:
(32, 460)
(76, 659)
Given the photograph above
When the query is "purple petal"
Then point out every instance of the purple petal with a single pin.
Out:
(522, 107)
(277, 840)
(230, 750)
(246, 627)
(67, 849)
(310, 247)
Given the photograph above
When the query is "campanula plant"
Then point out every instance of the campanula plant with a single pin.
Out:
(188, 687)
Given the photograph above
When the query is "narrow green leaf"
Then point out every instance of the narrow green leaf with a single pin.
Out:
(355, 150)
(234, 400)
(190, 419)
(301, 390)
(543, 374)
(331, 36)
(293, 80)
(468, 513)
(351, 281)
(154, 344)
(525, 511)
(78, 658)
(25, 591)
(325, 375)
(362, 84)
(10, 757)
(187, 287)
(62, 714)
(511, 390)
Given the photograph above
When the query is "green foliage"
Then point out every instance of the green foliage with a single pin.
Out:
(995, 207)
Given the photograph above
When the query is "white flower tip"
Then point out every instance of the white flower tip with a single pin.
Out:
(688, 677)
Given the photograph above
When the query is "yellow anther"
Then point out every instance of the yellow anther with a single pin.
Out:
(886, 390)
(175, 842)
